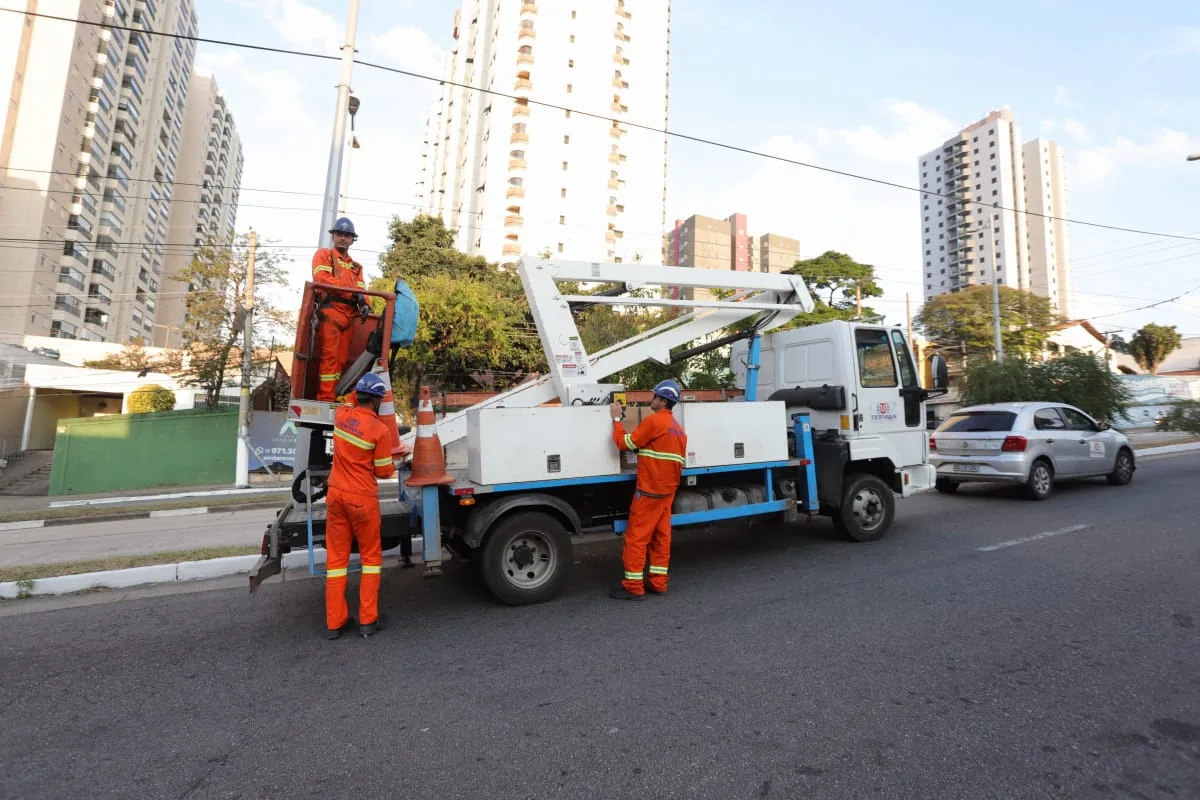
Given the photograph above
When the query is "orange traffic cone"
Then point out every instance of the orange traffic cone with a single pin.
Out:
(387, 413)
(429, 462)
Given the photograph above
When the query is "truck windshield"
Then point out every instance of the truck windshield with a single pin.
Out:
(978, 422)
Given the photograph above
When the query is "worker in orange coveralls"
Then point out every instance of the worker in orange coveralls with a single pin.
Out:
(661, 446)
(332, 266)
(362, 452)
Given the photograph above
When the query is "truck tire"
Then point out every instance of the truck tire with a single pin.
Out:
(527, 557)
(868, 507)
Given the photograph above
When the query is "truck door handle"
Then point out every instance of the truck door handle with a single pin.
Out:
(1083, 441)
(1049, 441)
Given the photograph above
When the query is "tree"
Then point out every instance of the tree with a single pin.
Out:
(835, 280)
(1151, 345)
(475, 327)
(216, 281)
(1079, 379)
(134, 358)
(1117, 342)
(950, 320)
(1185, 416)
(149, 398)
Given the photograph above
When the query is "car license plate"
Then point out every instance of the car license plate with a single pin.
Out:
(966, 468)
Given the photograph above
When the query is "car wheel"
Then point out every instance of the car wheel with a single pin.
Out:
(1041, 480)
(868, 507)
(1123, 468)
(946, 486)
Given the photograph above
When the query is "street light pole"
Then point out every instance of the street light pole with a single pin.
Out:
(333, 175)
(242, 473)
(999, 342)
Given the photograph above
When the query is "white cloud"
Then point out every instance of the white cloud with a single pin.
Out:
(301, 24)
(408, 48)
(1091, 166)
(1180, 41)
(920, 131)
(1071, 127)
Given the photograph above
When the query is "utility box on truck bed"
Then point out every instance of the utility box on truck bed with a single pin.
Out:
(517, 445)
(720, 434)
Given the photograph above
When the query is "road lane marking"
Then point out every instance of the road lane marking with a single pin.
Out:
(1035, 537)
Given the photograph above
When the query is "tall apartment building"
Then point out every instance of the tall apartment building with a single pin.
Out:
(709, 243)
(726, 244)
(206, 198)
(978, 229)
(91, 137)
(513, 177)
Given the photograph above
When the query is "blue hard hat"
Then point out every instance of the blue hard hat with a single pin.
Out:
(344, 225)
(668, 390)
(371, 384)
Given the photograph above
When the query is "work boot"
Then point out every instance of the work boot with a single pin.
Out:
(621, 593)
(653, 590)
(372, 628)
(336, 633)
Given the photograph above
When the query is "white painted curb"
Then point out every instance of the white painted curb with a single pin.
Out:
(22, 526)
(1167, 449)
(168, 573)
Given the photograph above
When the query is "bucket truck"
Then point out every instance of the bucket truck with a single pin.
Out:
(832, 423)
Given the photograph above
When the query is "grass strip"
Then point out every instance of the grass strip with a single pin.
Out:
(33, 572)
(117, 509)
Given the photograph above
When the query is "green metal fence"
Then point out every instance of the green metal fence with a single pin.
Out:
(141, 451)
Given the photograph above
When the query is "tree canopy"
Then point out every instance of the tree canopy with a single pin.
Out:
(835, 279)
(1151, 345)
(134, 357)
(1079, 379)
(216, 279)
(965, 317)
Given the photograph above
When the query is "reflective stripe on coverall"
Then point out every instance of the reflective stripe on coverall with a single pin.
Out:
(661, 446)
(362, 452)
(336, 314)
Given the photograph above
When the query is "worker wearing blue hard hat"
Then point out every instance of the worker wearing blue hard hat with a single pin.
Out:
(333, 266)
(362, 454)
(661, 447)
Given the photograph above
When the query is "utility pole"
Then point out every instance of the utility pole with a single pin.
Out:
(242, 478)
(999, 343)
(858, 297)
(337, 147)
(333, 177)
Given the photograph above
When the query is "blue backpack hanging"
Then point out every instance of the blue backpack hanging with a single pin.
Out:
(405, 316)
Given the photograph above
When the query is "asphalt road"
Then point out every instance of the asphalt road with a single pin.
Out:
(990, 647)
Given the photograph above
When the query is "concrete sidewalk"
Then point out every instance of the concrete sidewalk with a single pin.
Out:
(258, 484)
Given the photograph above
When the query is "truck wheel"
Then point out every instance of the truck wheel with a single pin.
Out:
(868, 506)
(526, 558)
(319, 488)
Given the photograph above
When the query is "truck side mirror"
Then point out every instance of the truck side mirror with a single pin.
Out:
(940, 370)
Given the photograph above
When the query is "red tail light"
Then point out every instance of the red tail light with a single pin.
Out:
(1014, 444)
(932, 443)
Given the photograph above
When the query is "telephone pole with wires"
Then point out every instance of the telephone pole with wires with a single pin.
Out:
(242, 476)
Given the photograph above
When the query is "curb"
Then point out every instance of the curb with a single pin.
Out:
(114, 516)
(178, 572)
(1166, 449)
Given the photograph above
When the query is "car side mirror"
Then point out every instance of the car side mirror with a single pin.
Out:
(940, 370)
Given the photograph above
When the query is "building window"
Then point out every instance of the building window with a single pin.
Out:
(563, 192)
(564, 166)
(566, 139)
(562, 220)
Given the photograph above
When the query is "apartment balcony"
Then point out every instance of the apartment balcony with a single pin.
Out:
(521, 109)
(615, 183)
(621, 37)
(517, 163)
(610, 236)
(523, 85)
(613, 210)
(619, 108)
(518, 137)
(512, 249)
(526, 33)
(614, 158)
(616, 131)
(66, 277)
(513, 221)
(620, 59)
(524, 58)
(514, 193)
(529, 8)
(68, 304)
(620, 84)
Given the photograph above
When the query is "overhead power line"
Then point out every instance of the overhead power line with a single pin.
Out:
(606, 118)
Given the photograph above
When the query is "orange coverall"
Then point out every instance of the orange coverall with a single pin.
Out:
(337, 312)
(661, 446)
(362, 452)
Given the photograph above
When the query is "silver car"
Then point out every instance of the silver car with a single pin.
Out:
(1028, 444)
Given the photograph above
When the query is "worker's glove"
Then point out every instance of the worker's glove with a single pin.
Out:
(364, 308)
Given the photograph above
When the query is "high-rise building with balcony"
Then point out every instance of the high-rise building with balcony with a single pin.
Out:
(512, 176)
(87, 181)
(206, 198)
(726, 244)
(987, 213)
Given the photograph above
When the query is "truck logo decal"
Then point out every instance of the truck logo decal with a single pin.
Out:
(884, 412)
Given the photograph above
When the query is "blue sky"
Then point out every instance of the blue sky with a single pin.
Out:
(864, 87)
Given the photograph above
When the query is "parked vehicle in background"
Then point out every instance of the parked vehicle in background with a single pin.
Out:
(1033, 445)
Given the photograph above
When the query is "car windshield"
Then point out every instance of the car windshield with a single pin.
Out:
(978, 422)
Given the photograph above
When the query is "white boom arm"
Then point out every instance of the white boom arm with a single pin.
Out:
(574, 374)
